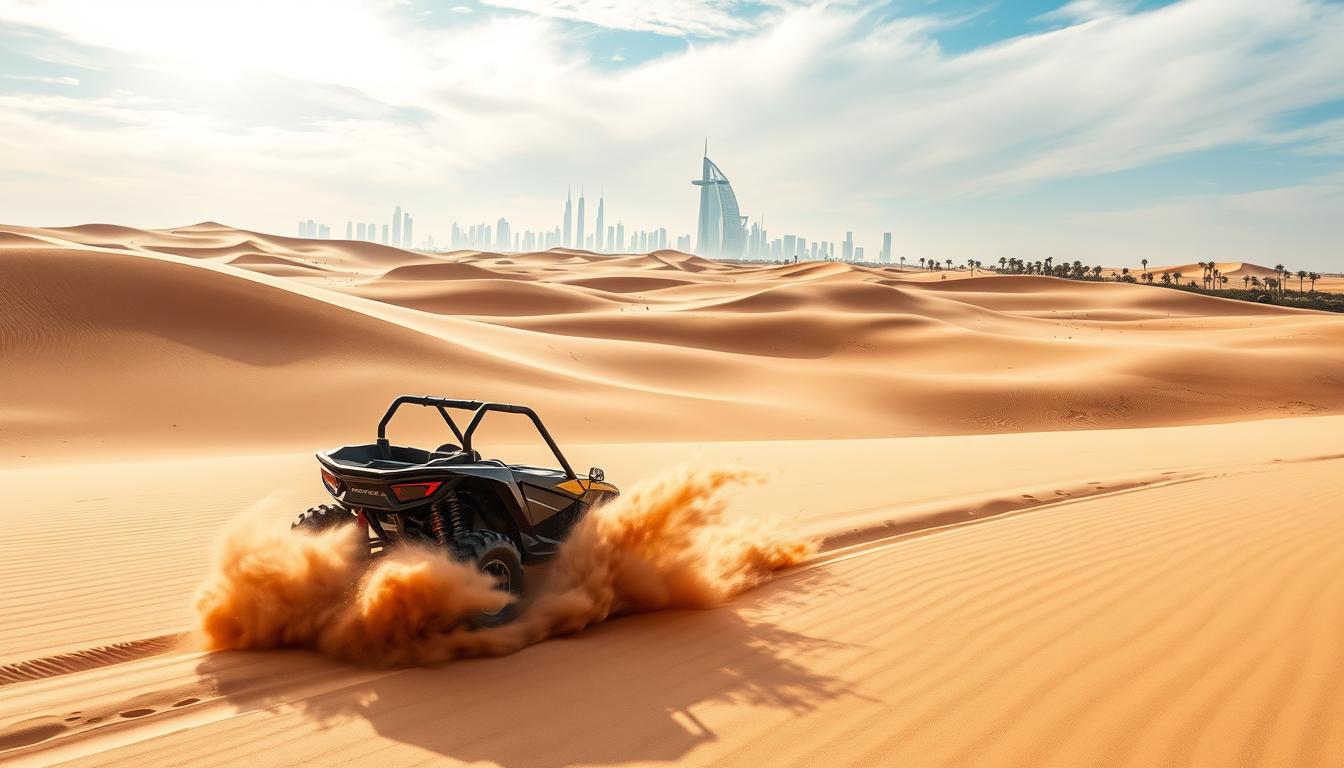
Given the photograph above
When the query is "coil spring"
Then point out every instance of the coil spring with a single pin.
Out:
(436, 524)
(454, 506)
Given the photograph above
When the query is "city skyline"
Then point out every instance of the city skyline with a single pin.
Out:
(1105, 129)
(721, 232)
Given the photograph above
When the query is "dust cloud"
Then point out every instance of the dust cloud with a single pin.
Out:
(666, 543)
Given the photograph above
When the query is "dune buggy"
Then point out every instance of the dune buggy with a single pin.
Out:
(483, 511)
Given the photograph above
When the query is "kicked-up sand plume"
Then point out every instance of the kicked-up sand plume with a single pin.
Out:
(665, 544)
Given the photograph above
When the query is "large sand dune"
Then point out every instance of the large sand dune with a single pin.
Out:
(324, 332)
(1057, 523)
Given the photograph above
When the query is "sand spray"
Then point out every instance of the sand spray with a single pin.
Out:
(665, 543)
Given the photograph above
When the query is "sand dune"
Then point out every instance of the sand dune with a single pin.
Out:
(1056, 522)
(331, 330)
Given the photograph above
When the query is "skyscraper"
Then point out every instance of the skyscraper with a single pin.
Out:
(396, 227)
(721, 228)
(406, 241)
(359, 232)
(502, 236)
(620, 237)
(384, 234)
(886, 248)
(597, 226)
(849, 246)
(349, 230)
(611, 238)
(569, 217)
(578, 240)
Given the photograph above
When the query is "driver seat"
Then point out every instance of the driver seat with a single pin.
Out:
(456, 454)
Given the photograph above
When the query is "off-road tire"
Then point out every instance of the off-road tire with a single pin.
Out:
(323, 518)
(495, 554)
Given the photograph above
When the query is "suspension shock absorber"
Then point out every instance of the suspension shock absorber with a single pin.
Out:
(453, 507)
(436, 524)
(445, 524)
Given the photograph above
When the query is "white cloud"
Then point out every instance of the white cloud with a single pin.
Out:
(1088, 10)
(460, 9)
(49, 80)
(826, 118)
(699, 18)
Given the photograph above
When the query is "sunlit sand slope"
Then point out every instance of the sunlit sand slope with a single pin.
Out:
(1190, 622)
(322, 333)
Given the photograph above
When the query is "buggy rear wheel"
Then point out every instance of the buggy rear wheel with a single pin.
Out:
(495, 555)
(323, 518)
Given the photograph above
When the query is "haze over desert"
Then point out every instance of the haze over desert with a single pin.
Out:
(1037, 521)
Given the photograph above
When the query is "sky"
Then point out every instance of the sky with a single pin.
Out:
(1100, 130)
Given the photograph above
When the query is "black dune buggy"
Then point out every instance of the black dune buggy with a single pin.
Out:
(484, 511)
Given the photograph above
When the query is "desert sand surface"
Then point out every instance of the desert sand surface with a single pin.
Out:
(1045, 522)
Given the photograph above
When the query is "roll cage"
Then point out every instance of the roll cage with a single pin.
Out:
(478, 409)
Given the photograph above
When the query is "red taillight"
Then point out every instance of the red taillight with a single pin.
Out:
(333, 485)
(413, 491)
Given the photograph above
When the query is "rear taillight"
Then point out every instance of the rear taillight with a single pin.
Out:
(413, 491)
(333, 485)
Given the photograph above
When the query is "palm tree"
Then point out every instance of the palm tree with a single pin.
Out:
(1313, 277)
(1246, 281)
(1280, 271)
(921, 262)
(1144, 262)
(1255, 282)
(1301, 278)
(902, 262)
(1166, 278)
(948, 262)
(1177, 277)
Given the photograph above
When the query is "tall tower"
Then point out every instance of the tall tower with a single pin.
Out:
(396, 227)
(406, 232)
(597, 227)
(569, 218)
(721, 229)
(886, 247)
(578, 241)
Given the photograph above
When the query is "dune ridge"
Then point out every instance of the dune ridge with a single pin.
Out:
(334, 329)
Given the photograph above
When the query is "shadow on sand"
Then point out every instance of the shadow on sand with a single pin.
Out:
(621, 691)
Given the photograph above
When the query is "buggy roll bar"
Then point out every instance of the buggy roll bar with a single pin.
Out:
(479, 409)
